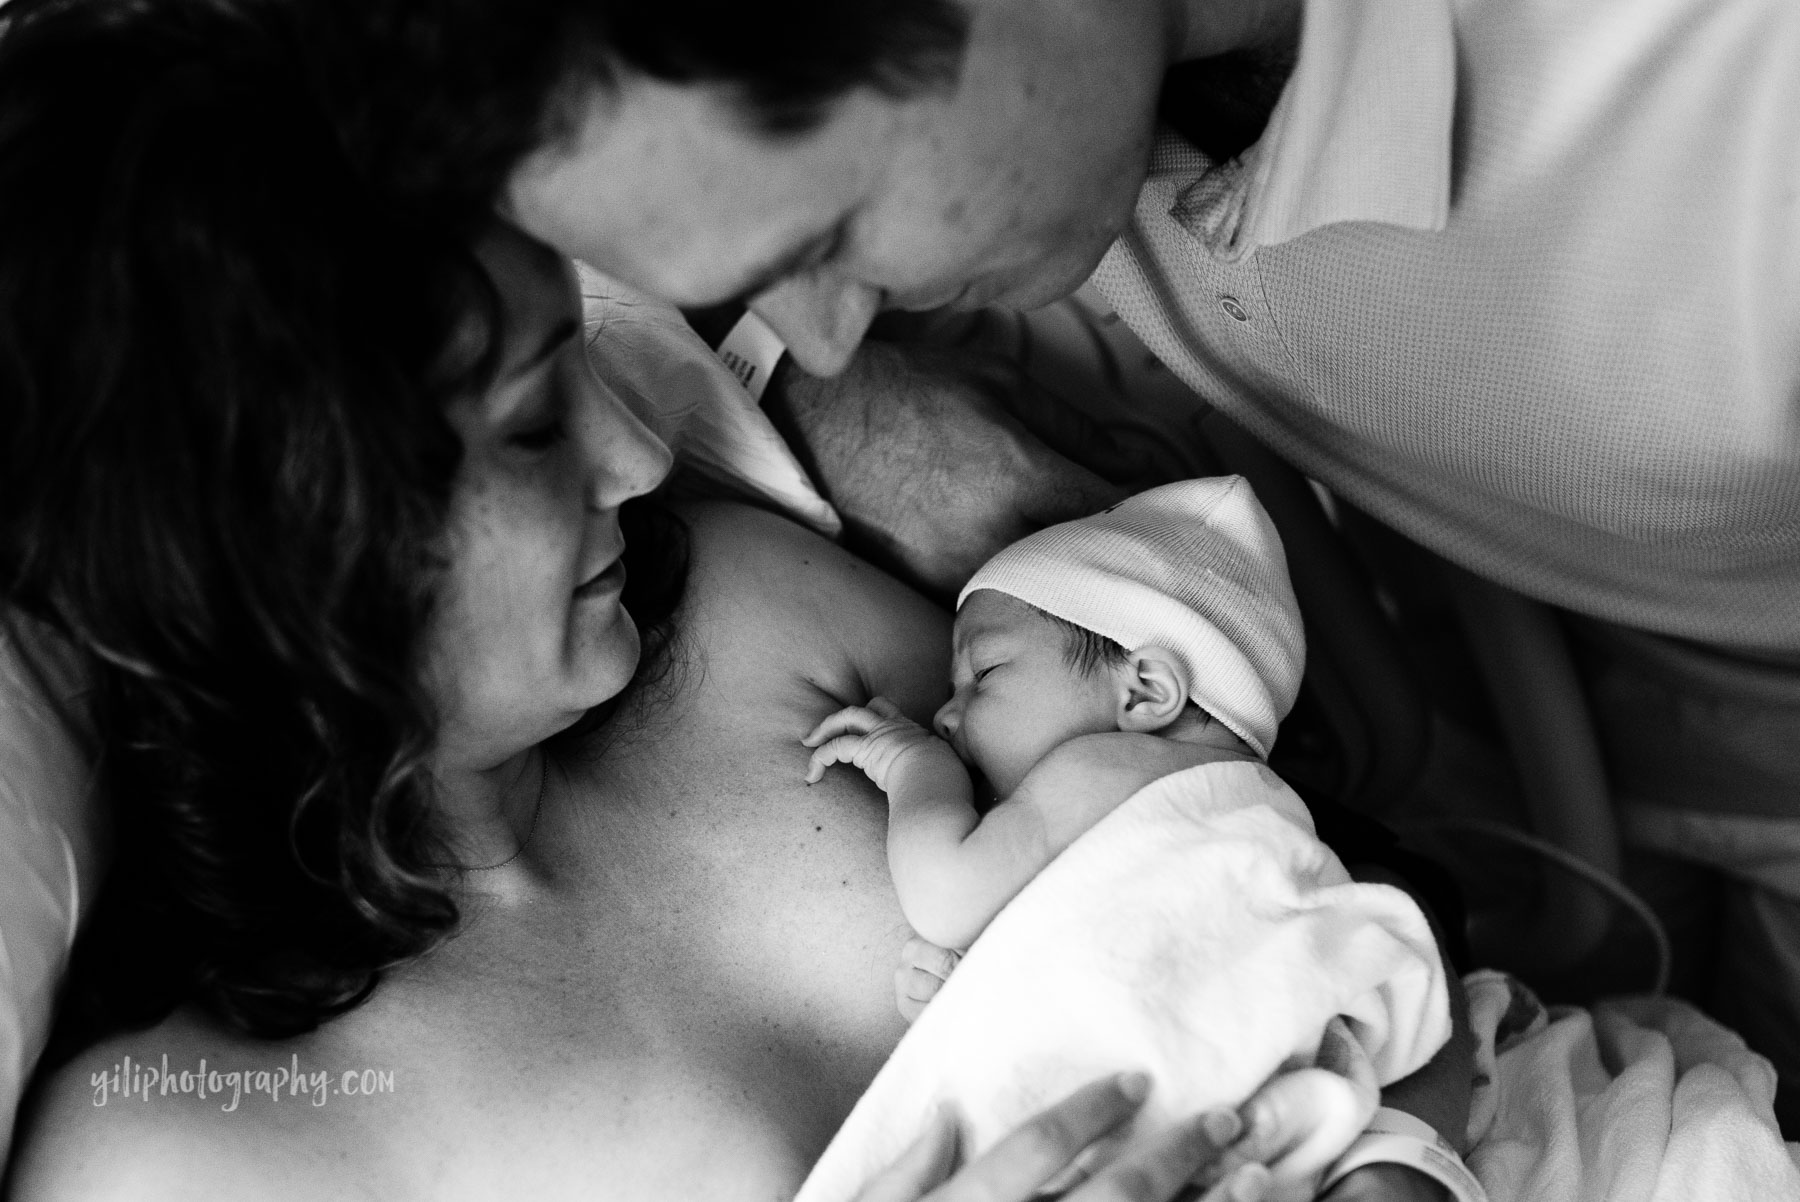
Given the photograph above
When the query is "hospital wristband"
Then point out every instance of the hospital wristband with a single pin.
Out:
(1395, 1137)
(751, 352)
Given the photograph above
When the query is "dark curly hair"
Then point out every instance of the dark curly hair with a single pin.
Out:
(224, 473)
(444, 97)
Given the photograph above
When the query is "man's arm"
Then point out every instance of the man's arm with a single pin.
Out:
(932, 475)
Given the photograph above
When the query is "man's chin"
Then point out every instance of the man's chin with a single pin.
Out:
(1055, 282)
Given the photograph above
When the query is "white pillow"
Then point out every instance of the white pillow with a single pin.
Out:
(49, 844)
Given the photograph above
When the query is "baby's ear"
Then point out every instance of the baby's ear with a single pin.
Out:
(1153, 690)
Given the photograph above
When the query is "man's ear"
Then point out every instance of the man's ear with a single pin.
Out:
(1153, 690)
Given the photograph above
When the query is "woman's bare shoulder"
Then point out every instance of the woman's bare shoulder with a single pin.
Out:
(767, 595)
(183, 1110)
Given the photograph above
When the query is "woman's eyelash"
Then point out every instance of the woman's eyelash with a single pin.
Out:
(551, 426)
(542, 437)
(984, 671)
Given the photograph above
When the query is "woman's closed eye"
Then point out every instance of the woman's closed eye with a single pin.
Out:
(541, 437)
(544, 424)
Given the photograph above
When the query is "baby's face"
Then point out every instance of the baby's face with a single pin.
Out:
(1014, 696)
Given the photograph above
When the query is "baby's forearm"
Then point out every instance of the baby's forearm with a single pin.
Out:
(952, 869)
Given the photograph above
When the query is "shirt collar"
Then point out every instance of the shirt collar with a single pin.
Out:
(1361, 133)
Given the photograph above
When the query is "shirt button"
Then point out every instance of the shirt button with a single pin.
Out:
(1232, 306)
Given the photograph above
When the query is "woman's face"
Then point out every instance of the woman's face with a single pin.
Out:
(528, 632)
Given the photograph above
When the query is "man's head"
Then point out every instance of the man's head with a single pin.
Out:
(821, 160)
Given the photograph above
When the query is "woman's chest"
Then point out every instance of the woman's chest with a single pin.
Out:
(696, 1009)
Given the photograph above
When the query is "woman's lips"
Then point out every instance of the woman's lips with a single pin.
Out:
(606, 583)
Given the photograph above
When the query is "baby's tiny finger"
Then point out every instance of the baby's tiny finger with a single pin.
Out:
(906, 994)
(842, 749)
(853, 718)
(884, 708)
(917, 985)
(927, 956)
(835, 752)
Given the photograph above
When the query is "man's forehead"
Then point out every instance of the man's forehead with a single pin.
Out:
(663, 186)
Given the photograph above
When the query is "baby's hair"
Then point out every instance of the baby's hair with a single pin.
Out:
(1085, 651)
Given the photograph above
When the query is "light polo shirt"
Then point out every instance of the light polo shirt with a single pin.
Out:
(1522, 279)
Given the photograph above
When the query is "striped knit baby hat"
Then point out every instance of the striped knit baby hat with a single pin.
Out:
(1195, 568)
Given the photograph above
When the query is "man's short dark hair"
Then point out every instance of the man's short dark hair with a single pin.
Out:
(443, 98)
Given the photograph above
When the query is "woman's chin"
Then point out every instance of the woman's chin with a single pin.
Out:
(607, 659)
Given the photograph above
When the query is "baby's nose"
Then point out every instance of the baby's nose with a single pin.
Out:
(947, 719)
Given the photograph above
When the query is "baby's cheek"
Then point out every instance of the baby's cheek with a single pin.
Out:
(1002, 759)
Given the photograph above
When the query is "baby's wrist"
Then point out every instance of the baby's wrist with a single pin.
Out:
(927, 760)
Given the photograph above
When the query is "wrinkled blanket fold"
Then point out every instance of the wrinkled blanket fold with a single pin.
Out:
(1633, 1100)
(1199, 933)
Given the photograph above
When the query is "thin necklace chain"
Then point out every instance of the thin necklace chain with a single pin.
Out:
(530, 827)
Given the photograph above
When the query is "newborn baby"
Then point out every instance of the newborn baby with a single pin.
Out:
(1118, 681)
(1087, 661)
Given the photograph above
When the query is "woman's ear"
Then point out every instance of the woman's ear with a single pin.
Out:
(1153, 690)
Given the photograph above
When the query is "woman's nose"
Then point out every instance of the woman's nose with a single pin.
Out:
(628, 458)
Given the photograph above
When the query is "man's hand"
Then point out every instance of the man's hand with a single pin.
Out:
(932, 475)
(924, 967)
(877, 738)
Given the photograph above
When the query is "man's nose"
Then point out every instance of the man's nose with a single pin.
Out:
(820, 316)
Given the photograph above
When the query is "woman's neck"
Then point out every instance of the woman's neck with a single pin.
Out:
(489, 816)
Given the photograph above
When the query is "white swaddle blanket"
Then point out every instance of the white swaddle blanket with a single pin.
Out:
(1199, 933)
(1635, 1100)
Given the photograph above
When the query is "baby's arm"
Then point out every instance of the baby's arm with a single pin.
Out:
(952, 868)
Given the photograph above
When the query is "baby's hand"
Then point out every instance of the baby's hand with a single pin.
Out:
(875, 738)
(924, 967)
